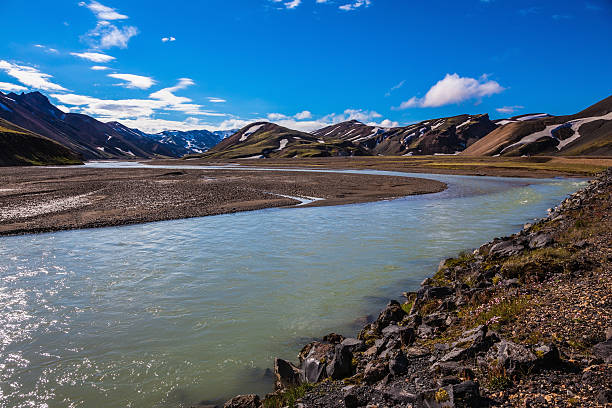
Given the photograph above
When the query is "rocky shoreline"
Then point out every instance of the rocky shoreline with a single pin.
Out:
(522, 321)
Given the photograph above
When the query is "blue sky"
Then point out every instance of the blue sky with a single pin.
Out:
(306, 63)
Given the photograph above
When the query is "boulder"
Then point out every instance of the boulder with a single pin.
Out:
(398, 395)
(462, 395)
(471, 342)
(340, 366)
(355, 397)
(353, 344)
(333, 338)
(375, 371)
(398, 364)
(517, 358)
(506, 248)
(392, 313)
(286, 374)
(437, 292)
(314, 364)
(244, 401)
(540, 240)
(603, 350)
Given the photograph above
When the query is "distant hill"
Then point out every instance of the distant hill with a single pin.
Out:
(82, 134)
(434, 136)
(20, 147)
(263, 139)
(587, 133)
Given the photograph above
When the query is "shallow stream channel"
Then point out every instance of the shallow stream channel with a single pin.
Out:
(171, 313)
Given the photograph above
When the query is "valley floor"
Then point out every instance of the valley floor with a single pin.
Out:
(38, 199)
(538, 166)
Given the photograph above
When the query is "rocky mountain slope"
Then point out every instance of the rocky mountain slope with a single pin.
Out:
(192, 141)
(263, 139)
(587, 133)
(20, 147)
(435, 136)
(82, 134)
(522, 321)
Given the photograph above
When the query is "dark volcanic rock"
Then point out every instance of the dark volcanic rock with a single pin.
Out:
(470, 343)
(603, 351)
(392, 313)
(286, 374)
(506, 248)
(375, 371)
(341, 365)
(540, 240)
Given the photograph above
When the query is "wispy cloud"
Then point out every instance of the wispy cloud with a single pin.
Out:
(510, 109)
(212, 99)
(288, 4)
(103, 12)
(99, 68)
(395, 87)
(134, 81)
(561, 16)
(93, 56)
(354, 5)
(168, 39)
(47, 49)
(351, 5)
(7, 87)
(454, 89)
(30, 77)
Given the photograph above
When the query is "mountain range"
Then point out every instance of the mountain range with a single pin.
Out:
(37, 122)
(265, 139)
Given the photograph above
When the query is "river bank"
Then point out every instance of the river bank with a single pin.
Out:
(523, 320)
(53, 199)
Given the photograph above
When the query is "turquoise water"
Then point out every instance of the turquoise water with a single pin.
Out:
(170, 313)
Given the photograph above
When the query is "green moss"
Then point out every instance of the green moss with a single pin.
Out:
(496, 313)
(407, 307)
(288, 398)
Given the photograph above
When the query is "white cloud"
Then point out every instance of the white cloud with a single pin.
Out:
(103, 12)
(134, 81)
(303, 115)
(454, 89)
(63, 108)
(47, 49)
(106, 35)
(509, 109)
(298, 121)
(99, 68)
(93, 56)
(289, 4)
(352, 5)
(384, 123)
(7, 87)
(168, 39)
(139, 112)
(30, 77)
(355, 5)
(150, 125)
(212, 99)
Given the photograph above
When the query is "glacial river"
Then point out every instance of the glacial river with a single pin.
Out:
(171, 313)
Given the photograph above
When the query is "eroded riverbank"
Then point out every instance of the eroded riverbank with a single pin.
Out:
(53, 199)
